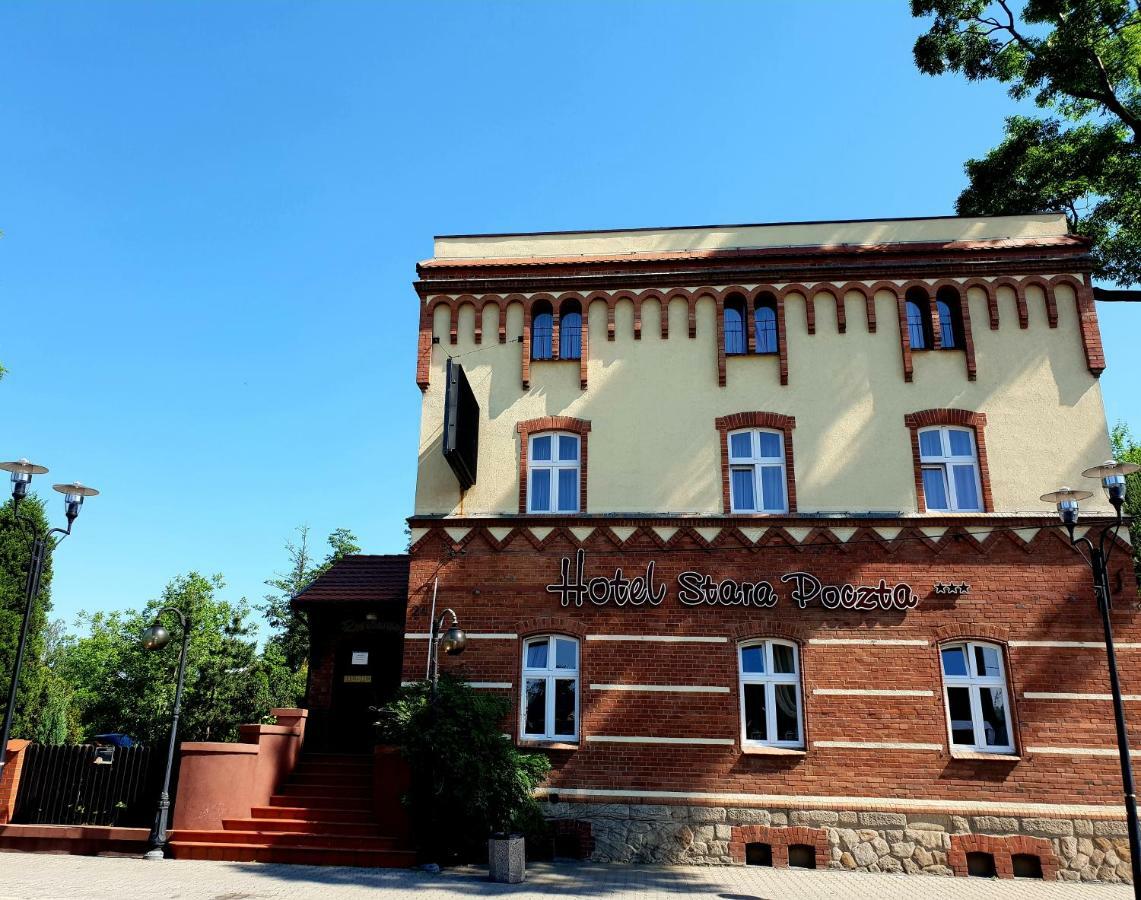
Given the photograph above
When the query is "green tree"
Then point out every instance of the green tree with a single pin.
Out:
(15, 555)
(1126, 449)
(290, 629)
(1081, 61)
(117, 686)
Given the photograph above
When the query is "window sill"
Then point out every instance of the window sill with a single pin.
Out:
(548, 359)
(977, 756)
(529, 744)
(772, 751)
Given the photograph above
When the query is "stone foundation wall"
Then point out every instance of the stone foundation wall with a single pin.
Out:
(867, 841)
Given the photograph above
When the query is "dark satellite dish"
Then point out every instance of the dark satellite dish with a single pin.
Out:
(461, 425)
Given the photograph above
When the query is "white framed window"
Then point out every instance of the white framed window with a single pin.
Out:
(549, 700)
(756, 471)
(553, 473)
(771, 708)
(976, 697)
(948, 458)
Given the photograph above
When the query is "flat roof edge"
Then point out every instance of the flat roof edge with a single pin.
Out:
(647, 229)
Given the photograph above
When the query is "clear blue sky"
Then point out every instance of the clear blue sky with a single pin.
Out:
(212, 213)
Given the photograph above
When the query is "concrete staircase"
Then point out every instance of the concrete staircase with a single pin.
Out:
(323, 814)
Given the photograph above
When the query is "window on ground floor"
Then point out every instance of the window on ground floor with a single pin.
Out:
(976, 697)
(550, 689)
(771, 711)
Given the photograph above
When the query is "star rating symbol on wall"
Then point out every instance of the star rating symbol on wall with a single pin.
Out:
(952, 587)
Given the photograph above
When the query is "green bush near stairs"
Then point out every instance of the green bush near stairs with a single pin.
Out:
(468, 781)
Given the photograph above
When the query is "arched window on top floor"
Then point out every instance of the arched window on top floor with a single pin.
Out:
(542, 320)
(765, 321)
(734, 317)
(918, 307)
(570, 330)
(949, 307)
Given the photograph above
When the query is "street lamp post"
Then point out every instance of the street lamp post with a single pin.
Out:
(1112, 475)
(155, 638)
(453, 641)
(42, 544)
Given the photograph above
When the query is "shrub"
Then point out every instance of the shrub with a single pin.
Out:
(467, 779)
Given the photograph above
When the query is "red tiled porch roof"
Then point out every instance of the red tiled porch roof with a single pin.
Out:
(360, 578)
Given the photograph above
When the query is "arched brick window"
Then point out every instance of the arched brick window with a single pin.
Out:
(948, 449)
(542, 325)
(765, 323)
(553, 452)
(757, 474)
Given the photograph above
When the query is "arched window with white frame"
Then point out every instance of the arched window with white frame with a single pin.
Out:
(949, 463)
(757, 471)
(769, 687)
(976, 697)
(553, 466)
(549, 701)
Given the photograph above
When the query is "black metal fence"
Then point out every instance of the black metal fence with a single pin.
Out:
(87, 785)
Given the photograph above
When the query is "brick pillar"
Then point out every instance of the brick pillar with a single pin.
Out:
(10, 780)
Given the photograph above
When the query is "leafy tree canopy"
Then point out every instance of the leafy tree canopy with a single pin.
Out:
(117, 686)
(290, 635)
(1081, 60)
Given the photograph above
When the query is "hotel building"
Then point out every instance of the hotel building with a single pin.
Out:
(754, 547)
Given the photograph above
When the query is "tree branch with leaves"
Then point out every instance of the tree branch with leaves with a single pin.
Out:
(1081, 61)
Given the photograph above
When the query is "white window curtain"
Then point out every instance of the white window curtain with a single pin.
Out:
(757, 472)
(553, 473)
(948, 458)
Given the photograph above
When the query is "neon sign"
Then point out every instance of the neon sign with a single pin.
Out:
(699, 589)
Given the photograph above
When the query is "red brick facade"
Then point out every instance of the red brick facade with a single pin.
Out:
(1029, 592)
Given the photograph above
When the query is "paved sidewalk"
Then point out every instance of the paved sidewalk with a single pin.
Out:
(26, 875)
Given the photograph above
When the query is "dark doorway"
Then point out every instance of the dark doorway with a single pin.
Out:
(362, 677)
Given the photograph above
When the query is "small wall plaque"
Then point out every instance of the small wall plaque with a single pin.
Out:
(358, 679)
(360, 658)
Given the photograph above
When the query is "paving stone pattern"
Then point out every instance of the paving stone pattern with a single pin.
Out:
(40, 877)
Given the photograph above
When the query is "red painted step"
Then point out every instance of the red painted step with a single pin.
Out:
(304, 826)
(287, 839)
(337, 759)
(297, 854)
(333, 780)
(306, 802)
(329, 791)
(311, 815)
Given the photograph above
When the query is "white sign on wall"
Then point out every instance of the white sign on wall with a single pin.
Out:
(360, 658)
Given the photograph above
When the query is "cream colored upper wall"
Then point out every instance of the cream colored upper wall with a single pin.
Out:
(723, 237)
(653, 446)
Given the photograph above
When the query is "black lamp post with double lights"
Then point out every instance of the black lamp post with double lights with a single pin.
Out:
(1067, 500)
(155, 638)
(42, 544)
